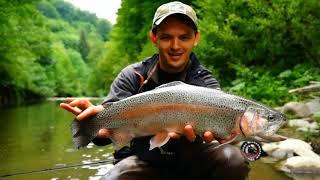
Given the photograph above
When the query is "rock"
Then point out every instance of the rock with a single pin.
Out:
(299, 147)
(270, 147)
(282, 153)
(299, 164)
(314, 105)
(306, 162)
(303, 125)
(301, 176)
(314, 87)
(298, 109)
(273, 150)
(288, 148)
(305, 129)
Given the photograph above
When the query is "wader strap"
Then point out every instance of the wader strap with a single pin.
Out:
(142, 81)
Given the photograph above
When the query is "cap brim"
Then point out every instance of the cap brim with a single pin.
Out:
(157, 22)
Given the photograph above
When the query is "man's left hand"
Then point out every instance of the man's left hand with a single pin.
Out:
(188, 132)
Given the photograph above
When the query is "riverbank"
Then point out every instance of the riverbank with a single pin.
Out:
(10, 96)
(65, 98)
(304, 121)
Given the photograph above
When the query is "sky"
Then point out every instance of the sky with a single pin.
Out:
(106, 9)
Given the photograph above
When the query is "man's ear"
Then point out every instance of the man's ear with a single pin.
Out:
(153, 38)
(196, 39)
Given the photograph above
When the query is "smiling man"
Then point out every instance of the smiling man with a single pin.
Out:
(174, 33)
(175, 41)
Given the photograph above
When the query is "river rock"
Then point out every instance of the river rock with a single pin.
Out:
(299, 147)
(314, 105)
(303, 125)
(301, 165)
(298, 109)
(282, 153)
(288, 148)
(296, 154)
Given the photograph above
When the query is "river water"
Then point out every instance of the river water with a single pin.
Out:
(36, 143)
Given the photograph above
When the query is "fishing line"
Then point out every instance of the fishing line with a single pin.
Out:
(55, 168)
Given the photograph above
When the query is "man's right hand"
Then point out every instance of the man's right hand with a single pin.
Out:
(83, 108)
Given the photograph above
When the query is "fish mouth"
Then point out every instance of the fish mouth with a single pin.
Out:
(268, 134)
(273, 127)
(271, 138)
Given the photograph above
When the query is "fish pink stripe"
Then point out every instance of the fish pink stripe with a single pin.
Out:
(158, 108)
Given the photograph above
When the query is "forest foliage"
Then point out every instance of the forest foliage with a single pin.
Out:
(47, 49)
(255, 48)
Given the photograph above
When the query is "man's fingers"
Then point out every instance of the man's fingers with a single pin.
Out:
(208, 136)
(189, 133)
(81, 103)
(71, 109)
(86, 113)
(173, 135)
(69, 100)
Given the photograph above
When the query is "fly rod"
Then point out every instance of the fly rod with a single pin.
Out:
(54, 168)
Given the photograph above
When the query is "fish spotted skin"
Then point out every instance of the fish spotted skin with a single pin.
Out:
(170, 107)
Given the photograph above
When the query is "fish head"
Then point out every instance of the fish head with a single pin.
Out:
(262, 121)
(275, 121)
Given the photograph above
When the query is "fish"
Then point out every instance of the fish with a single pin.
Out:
(172, 106)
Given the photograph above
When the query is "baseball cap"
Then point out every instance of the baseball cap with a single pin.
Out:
(175, 7)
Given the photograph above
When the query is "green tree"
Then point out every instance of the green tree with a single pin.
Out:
(104, 29)
(47, 9)
(39, 52)
(257, 33)
(84, 45)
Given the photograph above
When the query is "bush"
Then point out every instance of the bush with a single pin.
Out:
(276, 35)
(271, 88)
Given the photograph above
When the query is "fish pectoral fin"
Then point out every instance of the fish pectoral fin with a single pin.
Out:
(226, 141)
(272, 138)
(158, 140)
(120, 138)
(232, 138)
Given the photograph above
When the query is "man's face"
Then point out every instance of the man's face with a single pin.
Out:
(175, 41)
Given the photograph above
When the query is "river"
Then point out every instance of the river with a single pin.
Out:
(36, 143)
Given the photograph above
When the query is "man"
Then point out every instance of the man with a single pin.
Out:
(174, 33)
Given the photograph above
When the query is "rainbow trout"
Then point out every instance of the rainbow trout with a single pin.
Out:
(170, 107)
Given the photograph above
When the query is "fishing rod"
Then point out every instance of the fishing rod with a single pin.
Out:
(54, 168)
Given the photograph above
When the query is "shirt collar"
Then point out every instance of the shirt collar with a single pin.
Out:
(178, 77)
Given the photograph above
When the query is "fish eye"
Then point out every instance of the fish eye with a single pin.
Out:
(271, 117)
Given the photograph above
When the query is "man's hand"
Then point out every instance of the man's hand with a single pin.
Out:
(83, 108)
(188, 132)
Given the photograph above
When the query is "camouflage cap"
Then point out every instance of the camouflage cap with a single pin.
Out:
(170, 8)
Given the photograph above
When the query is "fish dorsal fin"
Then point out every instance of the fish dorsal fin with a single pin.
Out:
(173, 83)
